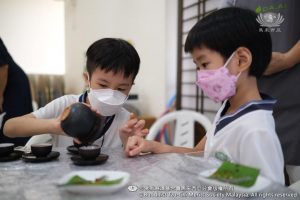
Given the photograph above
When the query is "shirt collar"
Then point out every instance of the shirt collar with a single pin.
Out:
(83, 96)
(266, 103)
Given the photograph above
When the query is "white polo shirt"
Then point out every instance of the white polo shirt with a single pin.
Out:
(248, 137)
(57, 106)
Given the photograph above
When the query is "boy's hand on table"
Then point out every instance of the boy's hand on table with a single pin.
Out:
(136, 145)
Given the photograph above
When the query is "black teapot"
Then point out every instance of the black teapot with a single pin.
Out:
(79, 121)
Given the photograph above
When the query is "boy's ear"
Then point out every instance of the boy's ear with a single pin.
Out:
(245, 58)
(86, 77)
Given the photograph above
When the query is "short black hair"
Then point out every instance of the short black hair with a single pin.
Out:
(229, 28)
(112, 54)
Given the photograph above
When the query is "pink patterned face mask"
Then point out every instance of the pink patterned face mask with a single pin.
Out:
(217, 84)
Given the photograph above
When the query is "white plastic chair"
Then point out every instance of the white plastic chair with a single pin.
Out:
(295, 186)
(184, 130)
(44, 138)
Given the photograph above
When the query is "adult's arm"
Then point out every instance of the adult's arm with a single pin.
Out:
(3, 83)
(282, 61)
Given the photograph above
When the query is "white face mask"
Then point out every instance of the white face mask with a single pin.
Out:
(106, 101)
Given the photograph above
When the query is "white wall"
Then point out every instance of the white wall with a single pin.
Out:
(33, 31)
(171, 47)
(51, 37)
(141, 21)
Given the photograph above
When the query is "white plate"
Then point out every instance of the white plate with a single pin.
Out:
(92, 175)
(259, 185)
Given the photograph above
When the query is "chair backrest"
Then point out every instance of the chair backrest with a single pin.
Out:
(295, 186)
(184, 130)
(44, 138)
(55, 140)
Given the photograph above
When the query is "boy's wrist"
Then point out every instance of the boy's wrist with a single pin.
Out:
(54, 127)
(155, 147)
(149, 146)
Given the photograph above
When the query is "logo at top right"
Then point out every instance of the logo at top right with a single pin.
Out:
(269, 19)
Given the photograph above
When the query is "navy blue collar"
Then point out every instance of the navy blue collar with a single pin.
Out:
(82, 97)
(266, 103)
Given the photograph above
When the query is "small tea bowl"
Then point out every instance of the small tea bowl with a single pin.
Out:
(6, 149)
(90, 152)
(41, 150)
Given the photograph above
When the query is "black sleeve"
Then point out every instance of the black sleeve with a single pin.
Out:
(2, 62)
(3, 54)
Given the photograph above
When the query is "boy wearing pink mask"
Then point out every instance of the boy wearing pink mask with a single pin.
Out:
(230, 54)
(112, 65)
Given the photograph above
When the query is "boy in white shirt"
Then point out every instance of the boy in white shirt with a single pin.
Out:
(243, 129)
(112, 65)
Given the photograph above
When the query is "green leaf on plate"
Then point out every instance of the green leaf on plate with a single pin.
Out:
(77, 180)
(236, 174)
